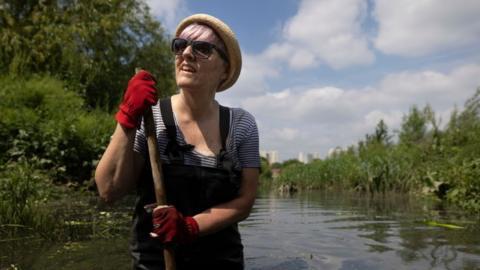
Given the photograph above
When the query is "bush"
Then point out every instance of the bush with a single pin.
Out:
(93, 45)
(465, 190)
(23, 196)
(425, 159)
(47, 125)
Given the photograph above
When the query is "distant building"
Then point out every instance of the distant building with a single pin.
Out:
(334, 151)
(304, 158)
(301, 157)
(308, 157)
(271, 156)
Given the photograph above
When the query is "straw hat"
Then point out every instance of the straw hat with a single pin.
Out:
(228, 37)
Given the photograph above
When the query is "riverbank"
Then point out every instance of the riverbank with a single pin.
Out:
(305, 230)
(388, 172)
(423, 159)
(73, 222)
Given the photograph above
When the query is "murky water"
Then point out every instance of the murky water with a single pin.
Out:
(312, 230)
(329, 231)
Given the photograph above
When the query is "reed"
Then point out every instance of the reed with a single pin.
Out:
(23, 202)
(423, 160)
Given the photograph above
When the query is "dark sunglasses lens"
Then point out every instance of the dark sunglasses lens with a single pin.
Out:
(178, 45)
(202, 48)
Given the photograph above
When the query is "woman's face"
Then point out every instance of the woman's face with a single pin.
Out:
(194, 73)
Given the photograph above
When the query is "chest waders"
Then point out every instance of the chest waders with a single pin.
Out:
(192, 190)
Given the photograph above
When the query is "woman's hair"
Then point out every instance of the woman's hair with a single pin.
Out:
(196, 31)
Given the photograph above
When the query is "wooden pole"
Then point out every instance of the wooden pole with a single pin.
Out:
(157, 174)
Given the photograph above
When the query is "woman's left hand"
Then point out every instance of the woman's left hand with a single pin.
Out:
(170, 226)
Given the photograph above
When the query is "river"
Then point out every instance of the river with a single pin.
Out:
(309, 230)
(320, 230)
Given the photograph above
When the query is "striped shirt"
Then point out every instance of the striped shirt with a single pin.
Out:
(241, 144)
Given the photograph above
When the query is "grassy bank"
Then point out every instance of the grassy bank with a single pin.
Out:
(62, 75)
(422, 158)
(32, 207)
(48, 142)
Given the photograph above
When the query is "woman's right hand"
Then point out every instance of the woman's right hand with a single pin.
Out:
(140, 94)
(170, 226)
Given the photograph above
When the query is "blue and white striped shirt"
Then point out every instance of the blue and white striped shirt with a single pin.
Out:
(242, 141)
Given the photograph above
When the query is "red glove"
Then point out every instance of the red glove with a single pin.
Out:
(169, 226)
(140, 94)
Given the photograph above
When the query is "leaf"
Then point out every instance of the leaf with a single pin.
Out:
(443, 225)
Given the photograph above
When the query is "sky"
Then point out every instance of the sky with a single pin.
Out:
(320, 74)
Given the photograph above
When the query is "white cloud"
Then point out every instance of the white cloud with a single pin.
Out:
(278, 51)
(252, 81)
(302, 59)
(169, 12)
(392, 117)
(413, 28)
(427, 86)
(286, 134)
(317, 119)
(327, 32)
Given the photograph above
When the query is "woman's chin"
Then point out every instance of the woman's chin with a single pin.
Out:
(185, 83)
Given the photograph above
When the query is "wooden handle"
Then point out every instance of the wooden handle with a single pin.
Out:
(154, 156)
(157, 174)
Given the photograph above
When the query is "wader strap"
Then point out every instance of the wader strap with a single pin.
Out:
(224, 125)
(175, 151)
(168, 121)
(222, 161)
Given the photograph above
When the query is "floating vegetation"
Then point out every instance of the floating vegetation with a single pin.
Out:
(443, 225)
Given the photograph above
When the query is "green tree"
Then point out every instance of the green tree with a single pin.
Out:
(47, 127)
(381, 135)
(94, 45)
(414, 127)
(290, 162)
(463, 130)
(266, 171)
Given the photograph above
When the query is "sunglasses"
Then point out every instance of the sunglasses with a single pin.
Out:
(200, 49)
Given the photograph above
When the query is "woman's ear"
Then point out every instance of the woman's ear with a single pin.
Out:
(225, 71)
(224, 74)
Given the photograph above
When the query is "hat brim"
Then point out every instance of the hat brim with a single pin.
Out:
(228, 37)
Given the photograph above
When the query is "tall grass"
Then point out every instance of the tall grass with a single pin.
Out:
(424, 160)
(31, 207)
(47, 137)
(23, 202)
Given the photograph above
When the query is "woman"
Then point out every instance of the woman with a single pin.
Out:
(209, 152)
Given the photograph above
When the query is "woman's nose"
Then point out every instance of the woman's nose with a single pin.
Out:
(188, 52)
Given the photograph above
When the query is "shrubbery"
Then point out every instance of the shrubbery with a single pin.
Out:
(424, 159)
(24, 192)
(63, 68)
(94, 46)
(46, 137)
(47, 126)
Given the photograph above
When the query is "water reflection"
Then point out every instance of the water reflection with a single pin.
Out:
(312, 230)
(321, 230)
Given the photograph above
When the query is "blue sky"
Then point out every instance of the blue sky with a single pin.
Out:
(319, 74)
